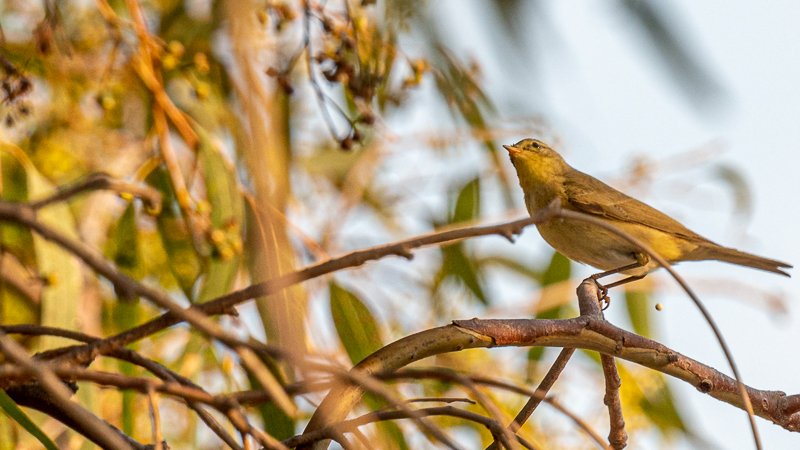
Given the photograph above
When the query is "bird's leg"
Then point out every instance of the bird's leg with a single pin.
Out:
(597, 276)
(624, 281)
(641, 260)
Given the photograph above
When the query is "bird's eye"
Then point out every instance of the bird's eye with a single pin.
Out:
(536, 145)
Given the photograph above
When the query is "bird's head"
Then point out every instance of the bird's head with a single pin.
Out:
(535, 161)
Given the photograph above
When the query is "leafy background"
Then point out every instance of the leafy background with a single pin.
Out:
(688, 107)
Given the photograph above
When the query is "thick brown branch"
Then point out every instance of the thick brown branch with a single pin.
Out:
(589, 333)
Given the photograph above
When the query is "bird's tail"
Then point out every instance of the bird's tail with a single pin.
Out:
(732, 256)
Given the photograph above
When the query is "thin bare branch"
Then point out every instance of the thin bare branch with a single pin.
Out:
(327, 433)
(598, 440)
(134, 358)
(617, 436)
(541, 392)
(438, 373)
(100, 181)
(100, 431)
(24, 215)
(21, 278)
(226, 303)
(155, 418)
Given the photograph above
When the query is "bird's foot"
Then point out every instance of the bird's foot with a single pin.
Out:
(605, 301)
(604, 298)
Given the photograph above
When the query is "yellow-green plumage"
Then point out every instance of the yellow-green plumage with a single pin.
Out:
(544, 176)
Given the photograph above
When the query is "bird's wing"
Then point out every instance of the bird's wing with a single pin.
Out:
(590, 195)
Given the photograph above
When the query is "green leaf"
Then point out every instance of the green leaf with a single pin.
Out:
(638, 307)
(61, 298)
(457, 264)
(559, 269)
(660, 408)
(276, 422)
(468, 205)
(355, 325)
(455, 261)
(512, 265)
(389, 432)
(175, 234)
(227, 216)
(19, 416)
(124, 240)
(126, 315)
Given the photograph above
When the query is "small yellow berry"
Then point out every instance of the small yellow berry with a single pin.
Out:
(226, 253)
(201, 62)
(176, 48)
(169, 62)
(203, 206)
(263, 17)
(51, 279)
(659, 306)
(227, 364)
(217, 236)
(236, 243)
(107, 102)
(202, 90)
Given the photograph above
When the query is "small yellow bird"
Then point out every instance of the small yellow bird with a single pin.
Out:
(544, 176)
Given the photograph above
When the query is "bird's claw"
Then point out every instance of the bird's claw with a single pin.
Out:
(604, 297)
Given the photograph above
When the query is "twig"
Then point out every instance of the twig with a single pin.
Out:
(506, 435)
(327, 433)
(441, 400)
(437, 373)
(155, 417)
(24, 215)
(541, 392)
(21, 278)
(97, 181)
(192, 395)
(589, 299)
(100, 431)
(617, 436)
(143, 64)
(598, 440)
(544, 386)
(225, 304)
(312, 75)
(134, 358)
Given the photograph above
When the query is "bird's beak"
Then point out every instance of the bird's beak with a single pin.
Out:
(512, 150)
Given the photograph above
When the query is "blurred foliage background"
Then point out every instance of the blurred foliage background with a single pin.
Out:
(282, 133)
